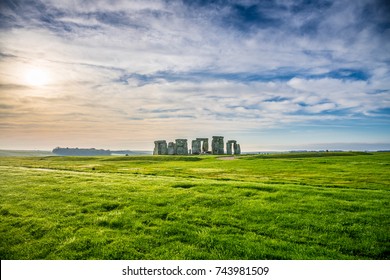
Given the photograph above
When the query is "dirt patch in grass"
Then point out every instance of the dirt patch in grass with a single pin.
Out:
(226, 158)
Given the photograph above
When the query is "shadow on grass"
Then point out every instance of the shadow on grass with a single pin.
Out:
(183, 186)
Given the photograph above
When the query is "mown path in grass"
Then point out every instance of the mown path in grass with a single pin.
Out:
(254, 207)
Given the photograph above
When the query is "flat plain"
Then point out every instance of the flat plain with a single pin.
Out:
(272, 206)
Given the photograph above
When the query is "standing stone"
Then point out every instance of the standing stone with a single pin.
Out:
(164, 148)
(205, 145)
(171, 148)
(229, 146)
(196, 147)
(181, 147)
(237, 149)
(217, 145)
(160, 147)
(155, 150)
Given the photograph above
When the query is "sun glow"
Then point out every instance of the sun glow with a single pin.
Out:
(36, 77)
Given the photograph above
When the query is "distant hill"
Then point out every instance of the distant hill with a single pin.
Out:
(24, 153)
(80, 152)
(68, 152)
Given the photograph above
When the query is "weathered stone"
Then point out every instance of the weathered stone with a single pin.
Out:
(196, 149)
(171, 148)
(205, 146)
(181, 147)
(155, 150)
(217, 145)
(160, 147)
(229, 146)
(237, 149)
(228, 149)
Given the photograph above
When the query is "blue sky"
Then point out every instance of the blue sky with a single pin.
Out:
(273, 75)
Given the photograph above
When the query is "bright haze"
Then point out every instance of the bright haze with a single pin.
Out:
(273, 75)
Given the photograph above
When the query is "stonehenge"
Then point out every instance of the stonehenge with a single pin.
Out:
(181, 147)
(171, 148)
(236, 147)
(205, 146)
(160, 147)
(229, 146)
(198, 146)
(217, 145)
(196, 149)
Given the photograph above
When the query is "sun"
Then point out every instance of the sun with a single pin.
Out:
(36, 77)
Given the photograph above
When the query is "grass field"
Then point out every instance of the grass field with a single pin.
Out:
(281, 206)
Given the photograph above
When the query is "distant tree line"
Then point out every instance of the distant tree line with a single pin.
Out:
(80, 152)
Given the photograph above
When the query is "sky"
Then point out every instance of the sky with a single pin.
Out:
(273, 75)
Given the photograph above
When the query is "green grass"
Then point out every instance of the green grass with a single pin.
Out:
(280, 206)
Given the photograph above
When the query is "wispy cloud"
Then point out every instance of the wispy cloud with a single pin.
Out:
(147, 69)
